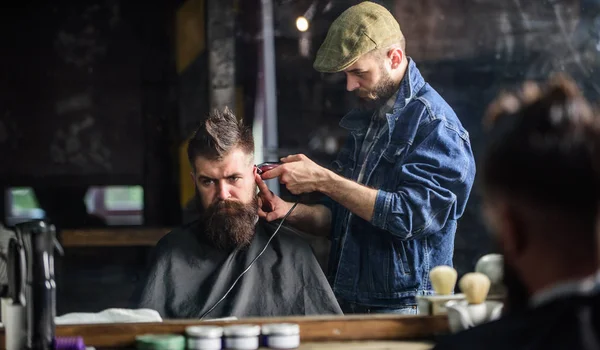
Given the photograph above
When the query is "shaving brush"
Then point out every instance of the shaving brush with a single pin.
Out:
(475, 286)
(443, 279)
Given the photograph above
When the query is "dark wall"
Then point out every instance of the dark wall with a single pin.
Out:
(88, 97)
(71, 100)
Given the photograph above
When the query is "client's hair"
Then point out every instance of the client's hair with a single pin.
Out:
(219, 134)
(543, 149)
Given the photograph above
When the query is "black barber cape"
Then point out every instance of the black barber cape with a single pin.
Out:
(569, 323)
(187, 275)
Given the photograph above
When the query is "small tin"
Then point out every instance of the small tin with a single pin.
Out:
(281, 335)
(160, 341)
(242, 337)
(204, 337)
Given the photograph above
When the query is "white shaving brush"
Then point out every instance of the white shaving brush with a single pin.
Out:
(475, 286)
(443, 279)
(491, 265)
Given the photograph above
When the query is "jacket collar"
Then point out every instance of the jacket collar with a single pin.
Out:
(409, 86)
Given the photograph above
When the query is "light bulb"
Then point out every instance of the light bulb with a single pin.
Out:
(302, 23)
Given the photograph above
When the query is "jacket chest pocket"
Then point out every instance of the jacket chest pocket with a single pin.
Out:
(386, 175)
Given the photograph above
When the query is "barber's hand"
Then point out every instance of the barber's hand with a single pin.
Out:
(270, 206)
(298, 173)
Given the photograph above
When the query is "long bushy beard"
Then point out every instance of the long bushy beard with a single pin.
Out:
(384, 90)
(230, 224)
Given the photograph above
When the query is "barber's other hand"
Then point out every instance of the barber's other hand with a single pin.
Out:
(270, 206)
(298, 173)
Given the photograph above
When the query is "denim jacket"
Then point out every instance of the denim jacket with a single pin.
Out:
(423, 169)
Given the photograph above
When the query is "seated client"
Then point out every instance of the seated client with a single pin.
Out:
(194, 266)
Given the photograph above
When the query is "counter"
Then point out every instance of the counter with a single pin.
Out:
(368, 332)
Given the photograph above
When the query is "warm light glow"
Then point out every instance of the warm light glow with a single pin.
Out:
(302, 24)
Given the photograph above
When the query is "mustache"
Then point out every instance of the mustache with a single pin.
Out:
(365, 94)
(226, 204)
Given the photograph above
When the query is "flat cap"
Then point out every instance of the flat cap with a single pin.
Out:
(357, 31)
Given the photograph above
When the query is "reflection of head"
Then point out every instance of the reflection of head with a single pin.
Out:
(541, 184)
(221, 156)
(366, 43)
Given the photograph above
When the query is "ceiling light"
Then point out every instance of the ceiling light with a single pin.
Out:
(302, 24)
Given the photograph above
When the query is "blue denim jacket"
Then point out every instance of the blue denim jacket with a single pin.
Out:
(423, 169)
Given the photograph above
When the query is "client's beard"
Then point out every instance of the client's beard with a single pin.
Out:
(230, 224)
(517, 295)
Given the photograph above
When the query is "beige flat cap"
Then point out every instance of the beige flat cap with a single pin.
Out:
(357, 31)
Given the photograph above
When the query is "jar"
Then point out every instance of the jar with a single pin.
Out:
(204, 337)
(241, 337)
(281, 335)
(160, 342)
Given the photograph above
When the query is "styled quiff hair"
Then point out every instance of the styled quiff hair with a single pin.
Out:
(220, 133)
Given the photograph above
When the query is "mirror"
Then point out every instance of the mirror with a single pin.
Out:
(98, 105)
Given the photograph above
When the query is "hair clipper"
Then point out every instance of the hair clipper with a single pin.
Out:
(266, 166)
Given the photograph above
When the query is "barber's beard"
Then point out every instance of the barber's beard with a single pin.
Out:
(230, 224)
(379, 95)
(517, 295)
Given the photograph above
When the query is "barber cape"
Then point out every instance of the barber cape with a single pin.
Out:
(188, 275)
(568, 319)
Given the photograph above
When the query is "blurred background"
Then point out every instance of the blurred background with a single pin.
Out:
(98, 98)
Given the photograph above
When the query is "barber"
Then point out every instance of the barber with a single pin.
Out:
(402, 179)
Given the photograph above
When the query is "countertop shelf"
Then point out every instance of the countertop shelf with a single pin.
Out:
(323, 332)
(113, 237)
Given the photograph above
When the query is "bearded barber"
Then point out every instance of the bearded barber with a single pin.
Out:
(401, 181)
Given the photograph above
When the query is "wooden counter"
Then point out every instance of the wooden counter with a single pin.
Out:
(112, 237)
(320, 332)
